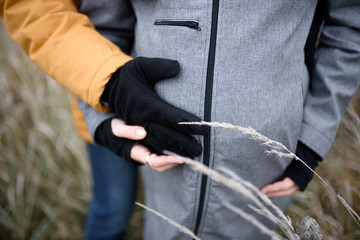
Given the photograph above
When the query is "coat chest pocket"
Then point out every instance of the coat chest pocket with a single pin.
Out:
(190, 23)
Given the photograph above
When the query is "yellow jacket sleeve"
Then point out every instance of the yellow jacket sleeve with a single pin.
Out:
(64, 44)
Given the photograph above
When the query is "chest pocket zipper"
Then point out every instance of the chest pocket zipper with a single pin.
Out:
(180, 23)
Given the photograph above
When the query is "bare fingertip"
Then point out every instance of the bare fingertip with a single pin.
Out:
(179, 161)
(140, 132)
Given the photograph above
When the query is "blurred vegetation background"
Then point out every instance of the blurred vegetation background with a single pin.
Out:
(44, 173)
(45, 183)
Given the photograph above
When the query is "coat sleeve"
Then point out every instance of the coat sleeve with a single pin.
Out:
(64, 44)
(335, 74)
(93, 118)
(115, 21)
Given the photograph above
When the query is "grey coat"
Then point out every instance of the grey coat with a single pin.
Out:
(242, 62)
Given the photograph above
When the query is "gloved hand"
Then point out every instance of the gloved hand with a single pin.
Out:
(297, 171)
(179, 143)
(130, 95)
(105, 137)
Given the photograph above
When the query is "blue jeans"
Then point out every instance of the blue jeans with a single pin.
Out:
(114, 190)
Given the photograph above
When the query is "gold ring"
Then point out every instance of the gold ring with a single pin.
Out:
(147, 160)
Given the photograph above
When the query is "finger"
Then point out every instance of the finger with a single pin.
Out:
(282, 188)
(173, 116)
(120, 129)
(159, 163)
(162, 163)
(120, 146)
(284, 193)
(278, 186)
(167, 167)
(139, 153)
(156, 69)
(157, 146)
(169, 139)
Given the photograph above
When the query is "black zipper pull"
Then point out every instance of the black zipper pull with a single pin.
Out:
(181, 23)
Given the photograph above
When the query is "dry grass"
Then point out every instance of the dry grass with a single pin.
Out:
(341, 169)
(181, 228)
(45, 184)
(44, 180)
(261, 203)
(280, 150)
(348, 139)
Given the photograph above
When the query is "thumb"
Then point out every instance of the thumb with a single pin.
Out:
(120, 129)
(156, 69)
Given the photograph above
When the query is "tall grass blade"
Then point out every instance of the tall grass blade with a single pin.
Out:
(181, 228)
(254, 221)
(238, 186)
(273, 145)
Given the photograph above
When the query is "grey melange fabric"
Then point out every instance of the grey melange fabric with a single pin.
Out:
(259, 80)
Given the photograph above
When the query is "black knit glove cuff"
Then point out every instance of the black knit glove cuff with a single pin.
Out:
(110, 86)
(120, 146)
(297, 171)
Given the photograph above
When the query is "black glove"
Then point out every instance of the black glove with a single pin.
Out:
(297, 171)
(120, 146)
(130, 95)
(160, 138)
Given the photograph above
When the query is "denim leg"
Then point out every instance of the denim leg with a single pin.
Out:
(114, 189)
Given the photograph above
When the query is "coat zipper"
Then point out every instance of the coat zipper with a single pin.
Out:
(207, 107)
(192, 23)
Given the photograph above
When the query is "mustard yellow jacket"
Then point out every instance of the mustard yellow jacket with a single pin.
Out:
(66, 46)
